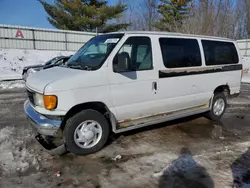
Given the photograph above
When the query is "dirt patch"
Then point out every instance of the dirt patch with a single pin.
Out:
(123, 158)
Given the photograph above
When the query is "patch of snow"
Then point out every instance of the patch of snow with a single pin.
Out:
(12, 84)
(118, 157)
(14, 156)
(12, 61)
(246, 78)
(246, 68)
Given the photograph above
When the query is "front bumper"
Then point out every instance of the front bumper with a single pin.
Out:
(41, 124)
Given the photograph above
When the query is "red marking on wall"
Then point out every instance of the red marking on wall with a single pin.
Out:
(19, 33)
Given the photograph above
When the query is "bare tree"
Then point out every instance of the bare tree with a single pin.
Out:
(140, 13)
(131, 15)
(225, 18)
(149, 13)
(216, 17)
(247, 18)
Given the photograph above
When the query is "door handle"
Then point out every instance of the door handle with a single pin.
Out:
(154, 86)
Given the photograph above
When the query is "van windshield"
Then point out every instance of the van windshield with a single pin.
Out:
(93, 54)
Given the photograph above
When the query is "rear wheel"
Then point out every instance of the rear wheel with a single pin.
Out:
(86, 132)
(218, 107)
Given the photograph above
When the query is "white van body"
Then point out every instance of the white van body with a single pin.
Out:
(138, 98)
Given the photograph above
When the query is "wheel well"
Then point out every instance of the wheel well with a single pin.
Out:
(223, 89)
(98, 106)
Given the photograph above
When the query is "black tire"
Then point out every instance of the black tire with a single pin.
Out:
(211, 115)
(73, 122)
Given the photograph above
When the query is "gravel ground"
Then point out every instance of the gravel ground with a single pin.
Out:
(192, 152)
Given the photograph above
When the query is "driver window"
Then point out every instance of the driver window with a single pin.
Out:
(126, 48)
(138, 53)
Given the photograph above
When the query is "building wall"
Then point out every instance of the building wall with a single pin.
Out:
(244, 46)
(19, 37)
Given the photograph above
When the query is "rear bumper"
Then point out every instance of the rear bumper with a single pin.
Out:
(41, 124)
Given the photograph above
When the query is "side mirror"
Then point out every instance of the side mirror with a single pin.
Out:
(124, 62)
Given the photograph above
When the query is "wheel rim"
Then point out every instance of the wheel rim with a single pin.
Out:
(88, 134)
(219, 107)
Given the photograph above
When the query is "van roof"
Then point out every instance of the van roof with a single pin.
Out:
(173, 34)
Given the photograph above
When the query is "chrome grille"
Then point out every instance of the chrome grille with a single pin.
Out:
(31, 96)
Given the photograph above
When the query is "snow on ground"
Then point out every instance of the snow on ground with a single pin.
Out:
(12, 61)
(246, 68)
(15, 158)
(12, 84)
(246, 78)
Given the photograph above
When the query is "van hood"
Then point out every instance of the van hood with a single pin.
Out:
(39, 80)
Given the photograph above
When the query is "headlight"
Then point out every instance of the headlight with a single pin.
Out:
(38, 100)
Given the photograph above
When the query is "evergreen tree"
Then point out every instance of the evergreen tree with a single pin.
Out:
(172, 12)
(84, 15)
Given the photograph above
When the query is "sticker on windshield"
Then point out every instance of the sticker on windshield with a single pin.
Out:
(114, 40)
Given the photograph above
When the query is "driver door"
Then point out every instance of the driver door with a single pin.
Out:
(133, 89)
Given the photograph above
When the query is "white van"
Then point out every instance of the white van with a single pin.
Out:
(122, 81)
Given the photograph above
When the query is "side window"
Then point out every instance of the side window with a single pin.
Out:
(65, 60)
(126, 48)
(219, 53)
(59, 62)
(141, 52)
(179, 53)
(134, 55)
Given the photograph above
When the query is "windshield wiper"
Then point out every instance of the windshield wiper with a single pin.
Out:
(78, 65)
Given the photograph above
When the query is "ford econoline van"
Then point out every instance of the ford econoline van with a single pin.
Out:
(122, 81)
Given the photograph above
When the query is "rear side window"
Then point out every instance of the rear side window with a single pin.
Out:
(179, 53)
(219, 53)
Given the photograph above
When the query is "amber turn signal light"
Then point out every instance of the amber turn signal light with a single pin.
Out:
(50, 101)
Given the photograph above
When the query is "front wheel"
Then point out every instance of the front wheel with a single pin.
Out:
(218, 107)
(86, 132)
